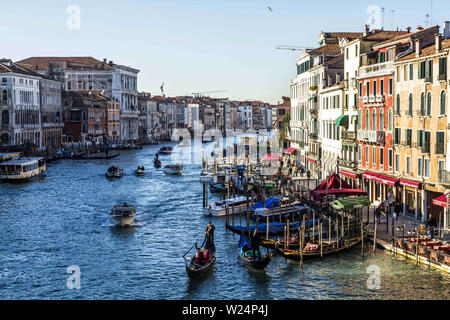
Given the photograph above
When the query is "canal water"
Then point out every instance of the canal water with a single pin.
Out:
(61, 220)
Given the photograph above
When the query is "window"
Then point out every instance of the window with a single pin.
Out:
(368, 88)
(374, 157)
(426, 166)
(442, 109)
(405, 73)
(440, 142)
(419, 167)
(408, 137)
(397, 106)
(420, 137)
(375, 87)
(411, 71)
(374, 120)
(441, 165)
(390, 156)
(367, 156)
(381, 120)
(397, 135)
(397, 162)
(360, 119)
(442, 69)
(426, 142)
(429, 104)
(381, 86)
(391, 86)
(359, 153)
(410, 104)
(381, 157)
(422, 104)
(408, 164)
(367, 119)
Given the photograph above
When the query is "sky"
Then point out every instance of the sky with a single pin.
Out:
(199, 45)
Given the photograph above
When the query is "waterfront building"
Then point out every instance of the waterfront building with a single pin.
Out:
(316, 69)
(376, 113)
(19, 105)
(421, 123)
(348, 160)
(51, 112)
(246, 117)
(279, 112)
(146, 116)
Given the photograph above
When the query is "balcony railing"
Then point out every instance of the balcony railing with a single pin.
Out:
(347, 163)
(348, 135)
(366, 135)
(379, 68)
(313, 135)
(444, 176)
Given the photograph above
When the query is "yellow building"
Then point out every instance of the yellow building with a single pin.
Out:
(420, 125)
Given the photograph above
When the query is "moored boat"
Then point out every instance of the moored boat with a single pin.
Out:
(114, 172)
(123, 215)
(22, 169)
(218, 209)
(252, 258)
(173, 169)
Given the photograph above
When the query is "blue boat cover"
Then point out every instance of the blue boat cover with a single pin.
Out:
(270, 203)
(243, 242)
(274, 227)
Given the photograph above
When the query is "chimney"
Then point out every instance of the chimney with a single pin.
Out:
(446, 29)
(417, 48)
(419, 28)
(408, 29)
(366, 30)
(104, 60)
(437, 41)
(110, 62)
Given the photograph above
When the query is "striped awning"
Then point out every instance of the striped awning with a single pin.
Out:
(348, 173)
(410, 183)
(441, 201)
(386, 180)
(370, 176)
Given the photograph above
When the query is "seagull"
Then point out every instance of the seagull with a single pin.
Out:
(270, 9)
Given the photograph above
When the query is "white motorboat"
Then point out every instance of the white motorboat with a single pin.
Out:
(123, 215)
(218, 209)
(22, 169)
(173, 169)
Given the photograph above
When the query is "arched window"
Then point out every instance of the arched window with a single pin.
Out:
(4, 95)
(367, 119)
(381, 120)
(5, 117)
(391, 122)
(443, 103)
(410, 104)
(429, 104)
(374, 119)
(397, 110)
(422, 104)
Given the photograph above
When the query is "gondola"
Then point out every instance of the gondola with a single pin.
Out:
(246, 255)
(114, 172)
(327, 249)
(200, 265)
(173, 169)
(157, 163)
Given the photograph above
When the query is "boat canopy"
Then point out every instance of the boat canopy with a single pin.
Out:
(351, 203)
(270, 203)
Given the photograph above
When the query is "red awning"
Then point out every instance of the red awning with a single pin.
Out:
(441, 201)
(339, 192)
(386, 180)
(348, 173)
(410, 183)
(333, 181)
(289, 150)
(370, 176)
(311, 160)
(271, 157)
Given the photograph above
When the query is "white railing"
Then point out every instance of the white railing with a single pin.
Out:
(367, 135)
(379, 68)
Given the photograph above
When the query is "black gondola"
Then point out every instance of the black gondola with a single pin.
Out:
(202, 262)
(246, 255)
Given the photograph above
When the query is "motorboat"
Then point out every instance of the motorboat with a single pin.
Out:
(114, 172)
(165, 150)
(140, 171)
(22, 169)
(123, 215)
(173, 169)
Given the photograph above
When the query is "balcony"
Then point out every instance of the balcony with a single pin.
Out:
(444, 177)
(348, 135)
(371, 99)
(366, 135)
(313, 112)
(440, 147)
(313, 135)
(377, 69)
(347, 163)
(365, 99)
(380, 99)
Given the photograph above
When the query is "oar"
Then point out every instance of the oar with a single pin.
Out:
(194, 244)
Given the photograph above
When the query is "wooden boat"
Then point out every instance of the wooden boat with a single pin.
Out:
(140, 171)
(197, 265)
(173, 169)
(123, 215)
(218, 208)
(165, 150)
(327, 249)
(246, 255)
(114, 172)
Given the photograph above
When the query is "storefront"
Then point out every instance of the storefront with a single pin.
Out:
(352, 178)
(410, 194)
(378, 186)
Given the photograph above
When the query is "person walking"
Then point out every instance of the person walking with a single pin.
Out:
(431, 224)
(397, 209)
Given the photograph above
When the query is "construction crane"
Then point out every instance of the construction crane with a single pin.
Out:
(202, 94)
(293, 48)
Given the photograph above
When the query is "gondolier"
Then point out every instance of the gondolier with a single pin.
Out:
(256, 240)
(210, 237)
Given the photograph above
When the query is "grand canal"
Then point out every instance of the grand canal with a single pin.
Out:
(62, 220)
